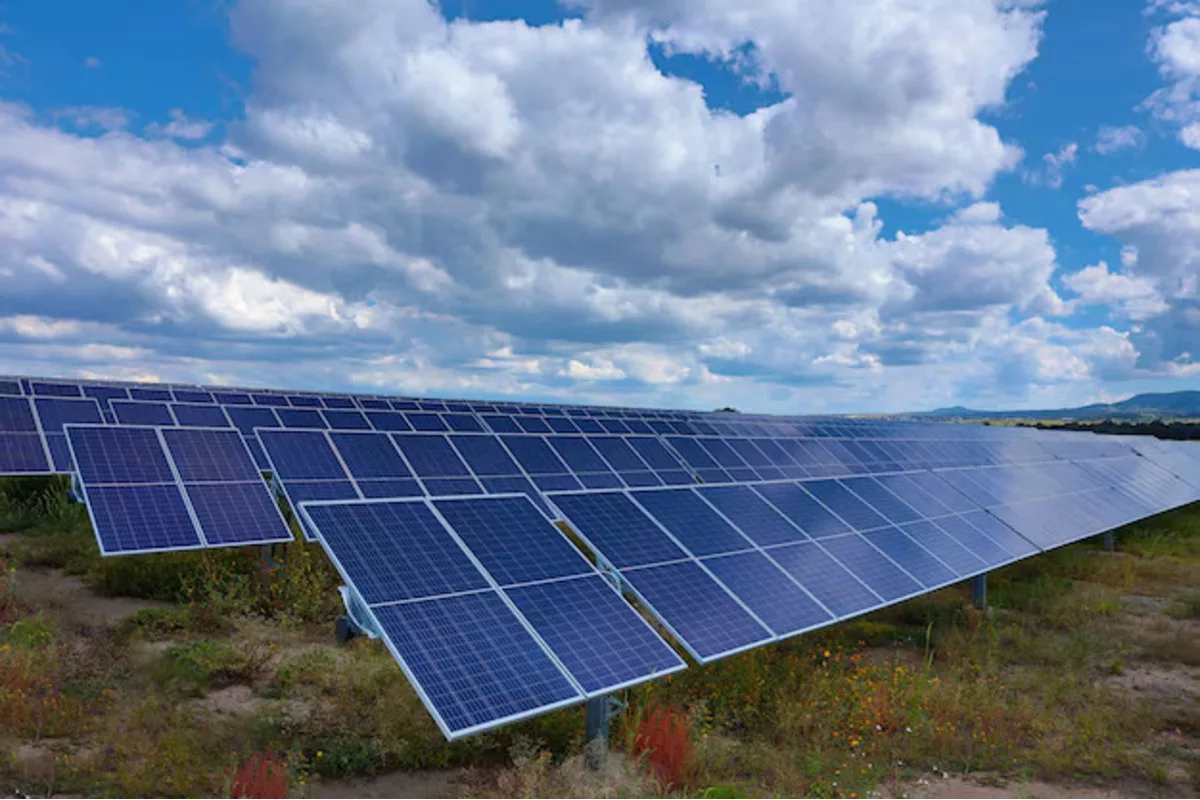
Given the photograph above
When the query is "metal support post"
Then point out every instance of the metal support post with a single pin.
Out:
(979, 591)
(596, 731)
(1110, 541)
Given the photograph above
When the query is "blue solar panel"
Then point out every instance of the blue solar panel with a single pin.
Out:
(141, 518)
(16, 416)
(530, 424)
(1001, 534)
(232, 398)
(301, 455)
(921, 501)
(873, 567)
(300, 491)
(133, 412)
(49, 389)
(973, 540)
(943, 492)
(753, 515)
(882, 500)
(192, 396)
(210, 455)
(304, 401)
(616, 527)
(431, 456)
(56, 412)
(394, 550)
(337, 402)
(485, 455)
(914, 559)
(374, 404)
(500, 423)
(473, 661)
(246, 419)
(237, 513)
(768, 592)
(603, 643)
(577, 454)
(426, 421)
(692, 522)
(703, 616)
(840, 501)
(104, 394)
(800, 507)
(389, 421)
(438, 487)
(836, 588)
(370, 455)
(534, 455)
(513, 541)
(120, 455)
(10, 387)
(269, 400)
(562, 425)
(463, 423)
(199, 416)
(22, 453)
(506, 485)
(346, 420)
(945, 547)
(300, 418)
(390, 487)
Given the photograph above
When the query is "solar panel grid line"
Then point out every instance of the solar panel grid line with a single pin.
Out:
(692, 558)
(546, 509)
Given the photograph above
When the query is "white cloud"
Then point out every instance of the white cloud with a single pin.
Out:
(91, 62)
(1110, 139)
(1053, 166)
(495, 208)
(1175, 48)
(1135, 297)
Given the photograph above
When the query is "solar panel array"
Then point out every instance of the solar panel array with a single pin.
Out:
(732, 531)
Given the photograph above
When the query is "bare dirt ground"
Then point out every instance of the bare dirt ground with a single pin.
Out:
(71, 602)
(429, 783)
(936, 787)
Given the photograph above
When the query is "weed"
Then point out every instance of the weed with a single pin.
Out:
(1186, 607)
(664, 740)
(196, 667)
(261, 775)
(154, 624)
(31, 632)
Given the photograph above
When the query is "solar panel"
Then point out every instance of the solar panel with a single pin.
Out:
(769, 592)
(301, 455)
(141, 518)
(512, 540)
(802, 509)
(827, 580)
(199, 416)
(300, 418)
(603, 643)
(693, 523)
(133, 412)
(218, 456)
(16, 416)
(757, 518)
(709, 621)
(473, 661)
(616, 527)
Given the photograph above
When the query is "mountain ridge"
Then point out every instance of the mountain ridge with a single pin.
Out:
(1163, 405)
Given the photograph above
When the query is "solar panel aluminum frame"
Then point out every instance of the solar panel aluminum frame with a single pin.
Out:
(367, 610)
(81, 490)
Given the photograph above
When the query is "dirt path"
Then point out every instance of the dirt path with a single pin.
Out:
(977, 788)
(423, 783)
(71, 601)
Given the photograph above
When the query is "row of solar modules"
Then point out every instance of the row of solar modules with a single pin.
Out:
(723, 568)
(165, 489)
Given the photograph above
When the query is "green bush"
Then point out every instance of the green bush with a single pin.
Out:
(31, 632)
(195, 667)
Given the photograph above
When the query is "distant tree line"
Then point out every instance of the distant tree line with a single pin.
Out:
(1163, 430)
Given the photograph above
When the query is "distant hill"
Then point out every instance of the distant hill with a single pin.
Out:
(1163, 405)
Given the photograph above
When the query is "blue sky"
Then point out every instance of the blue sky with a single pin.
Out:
(795, 208)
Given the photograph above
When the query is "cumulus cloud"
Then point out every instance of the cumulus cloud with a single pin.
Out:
(1175, 47)
(495, 208)
(1134, 297)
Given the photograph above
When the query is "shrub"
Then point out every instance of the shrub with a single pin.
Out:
(261, 775)
(664, 740)
(195, 667)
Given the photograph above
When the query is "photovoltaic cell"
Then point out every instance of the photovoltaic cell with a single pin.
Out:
(301, 455)
(616, 527)
(16, 416)
(237, 513)
(825, 579)
(692, 522)
(210, 455)
(512, 540)
(300, 418)
(120, 455)
(431, 456)
(485, 455)
(769, 592)
(22, 453)
(598, 637)
(473, 660)
(753, 515)
(882, 500)
(370, 455)
(199, 416)
(394, 550)
(704, 617)
(945, 547)
(802, 509)
(141, 518)
(840, 501)
(346, 420)
(914, 559)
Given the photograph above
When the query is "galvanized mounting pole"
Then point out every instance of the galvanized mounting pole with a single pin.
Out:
(596, 732)
(979, 591)
(1110, 541)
